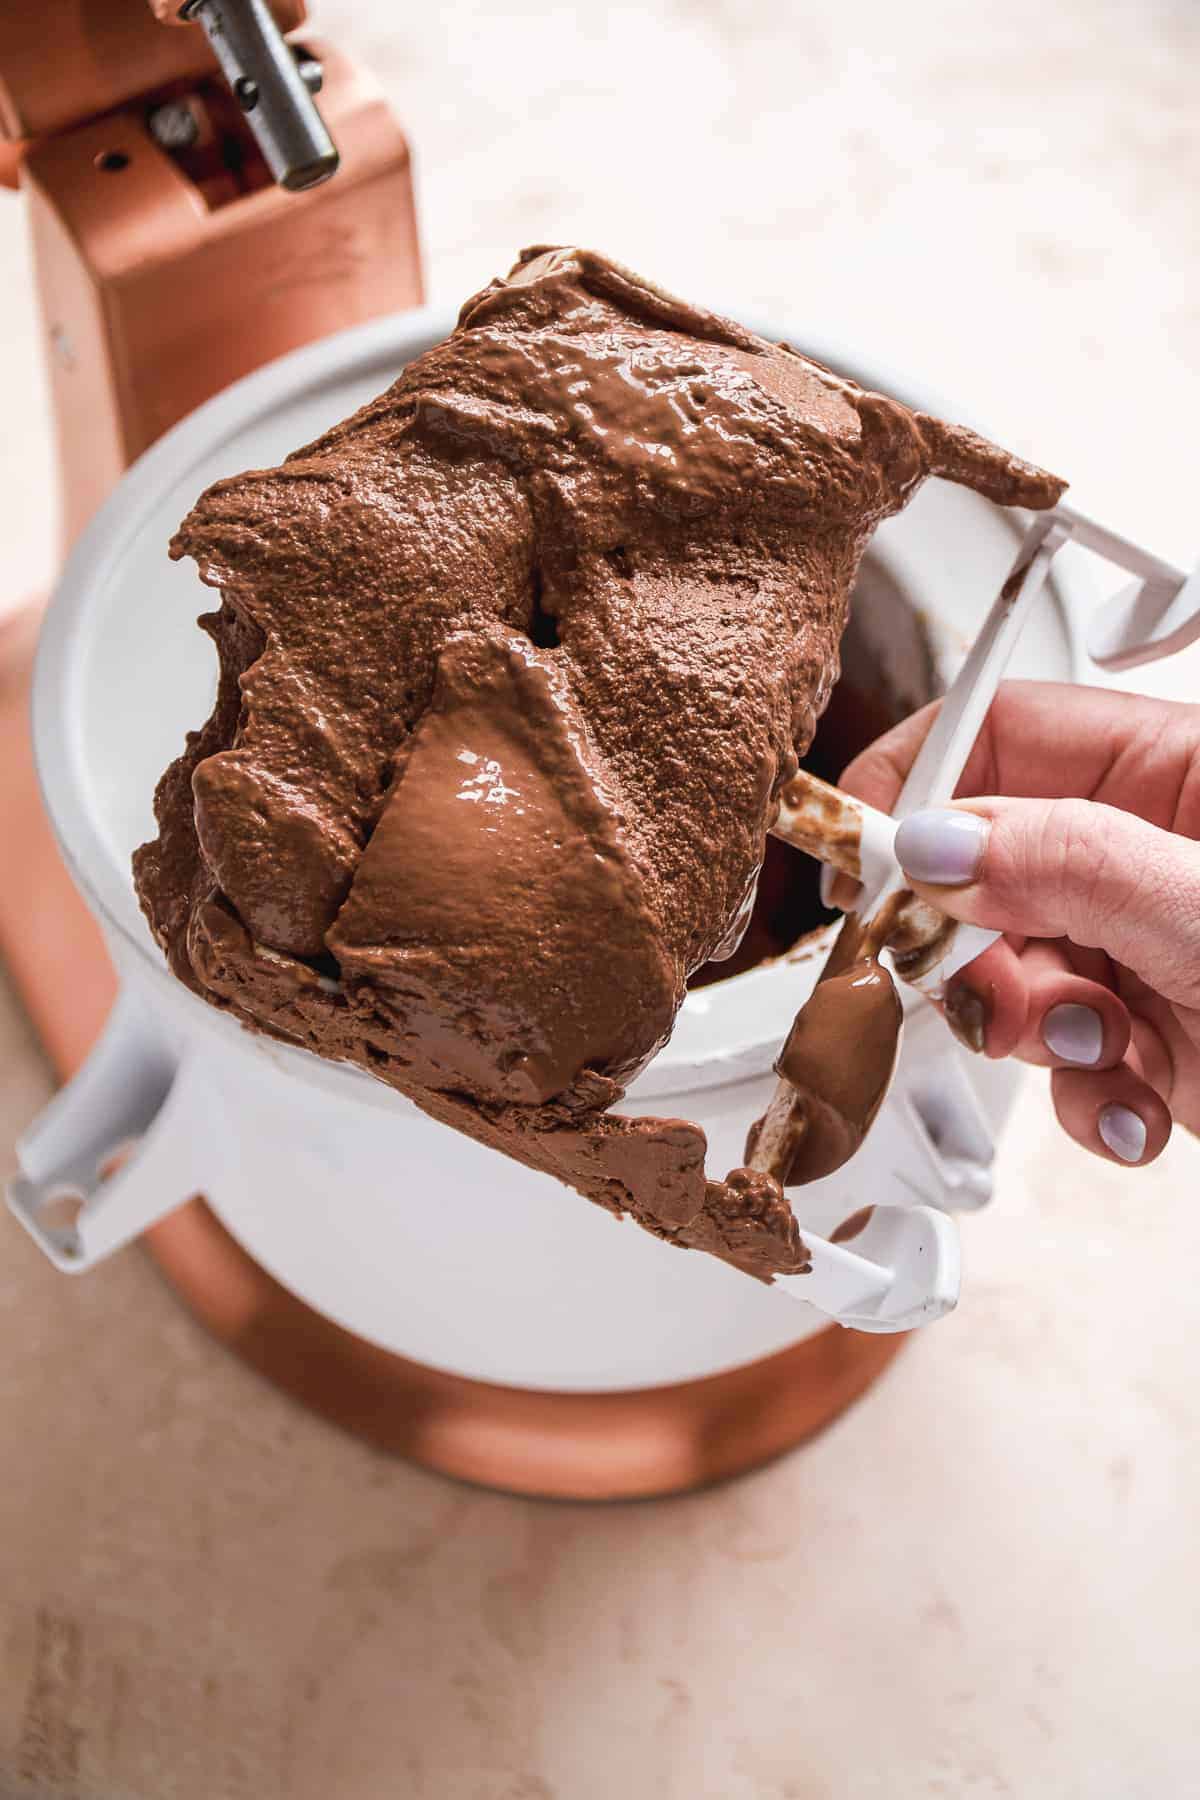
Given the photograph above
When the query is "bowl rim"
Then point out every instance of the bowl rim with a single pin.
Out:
(737, 1034)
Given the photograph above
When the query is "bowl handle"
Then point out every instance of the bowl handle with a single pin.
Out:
(106, 1157)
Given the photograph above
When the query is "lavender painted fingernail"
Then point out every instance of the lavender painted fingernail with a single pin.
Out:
(1123, 1132)
(1076, 1033)
(942, 845)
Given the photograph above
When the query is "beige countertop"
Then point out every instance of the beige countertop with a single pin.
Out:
(982, 1581)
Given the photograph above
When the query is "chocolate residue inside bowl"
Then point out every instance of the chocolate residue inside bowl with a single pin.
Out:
(888, 672)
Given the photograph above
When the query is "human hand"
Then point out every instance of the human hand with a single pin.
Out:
(1078, 842)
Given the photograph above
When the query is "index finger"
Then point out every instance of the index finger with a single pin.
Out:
(1042, 740)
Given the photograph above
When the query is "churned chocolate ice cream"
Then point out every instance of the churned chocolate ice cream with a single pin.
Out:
(514, 665)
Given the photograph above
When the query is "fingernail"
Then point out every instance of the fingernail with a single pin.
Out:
(828, 876)
(1076, 1033)
(942, 846)
(1123, 1132)
(967, 1015)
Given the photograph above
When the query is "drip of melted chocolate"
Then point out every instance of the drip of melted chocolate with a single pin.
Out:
(837, 1061)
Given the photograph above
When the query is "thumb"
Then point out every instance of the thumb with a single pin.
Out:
(1066, 868)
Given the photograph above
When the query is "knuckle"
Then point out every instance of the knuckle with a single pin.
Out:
(1176, 885)
(1004, 862)
(1055, 870)
(1091, 874)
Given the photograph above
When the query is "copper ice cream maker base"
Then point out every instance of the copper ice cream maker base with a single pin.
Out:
(625, 1445)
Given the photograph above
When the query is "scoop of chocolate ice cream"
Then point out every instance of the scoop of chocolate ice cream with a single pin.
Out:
(514, 664)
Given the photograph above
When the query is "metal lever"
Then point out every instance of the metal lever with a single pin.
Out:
(258, 64)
